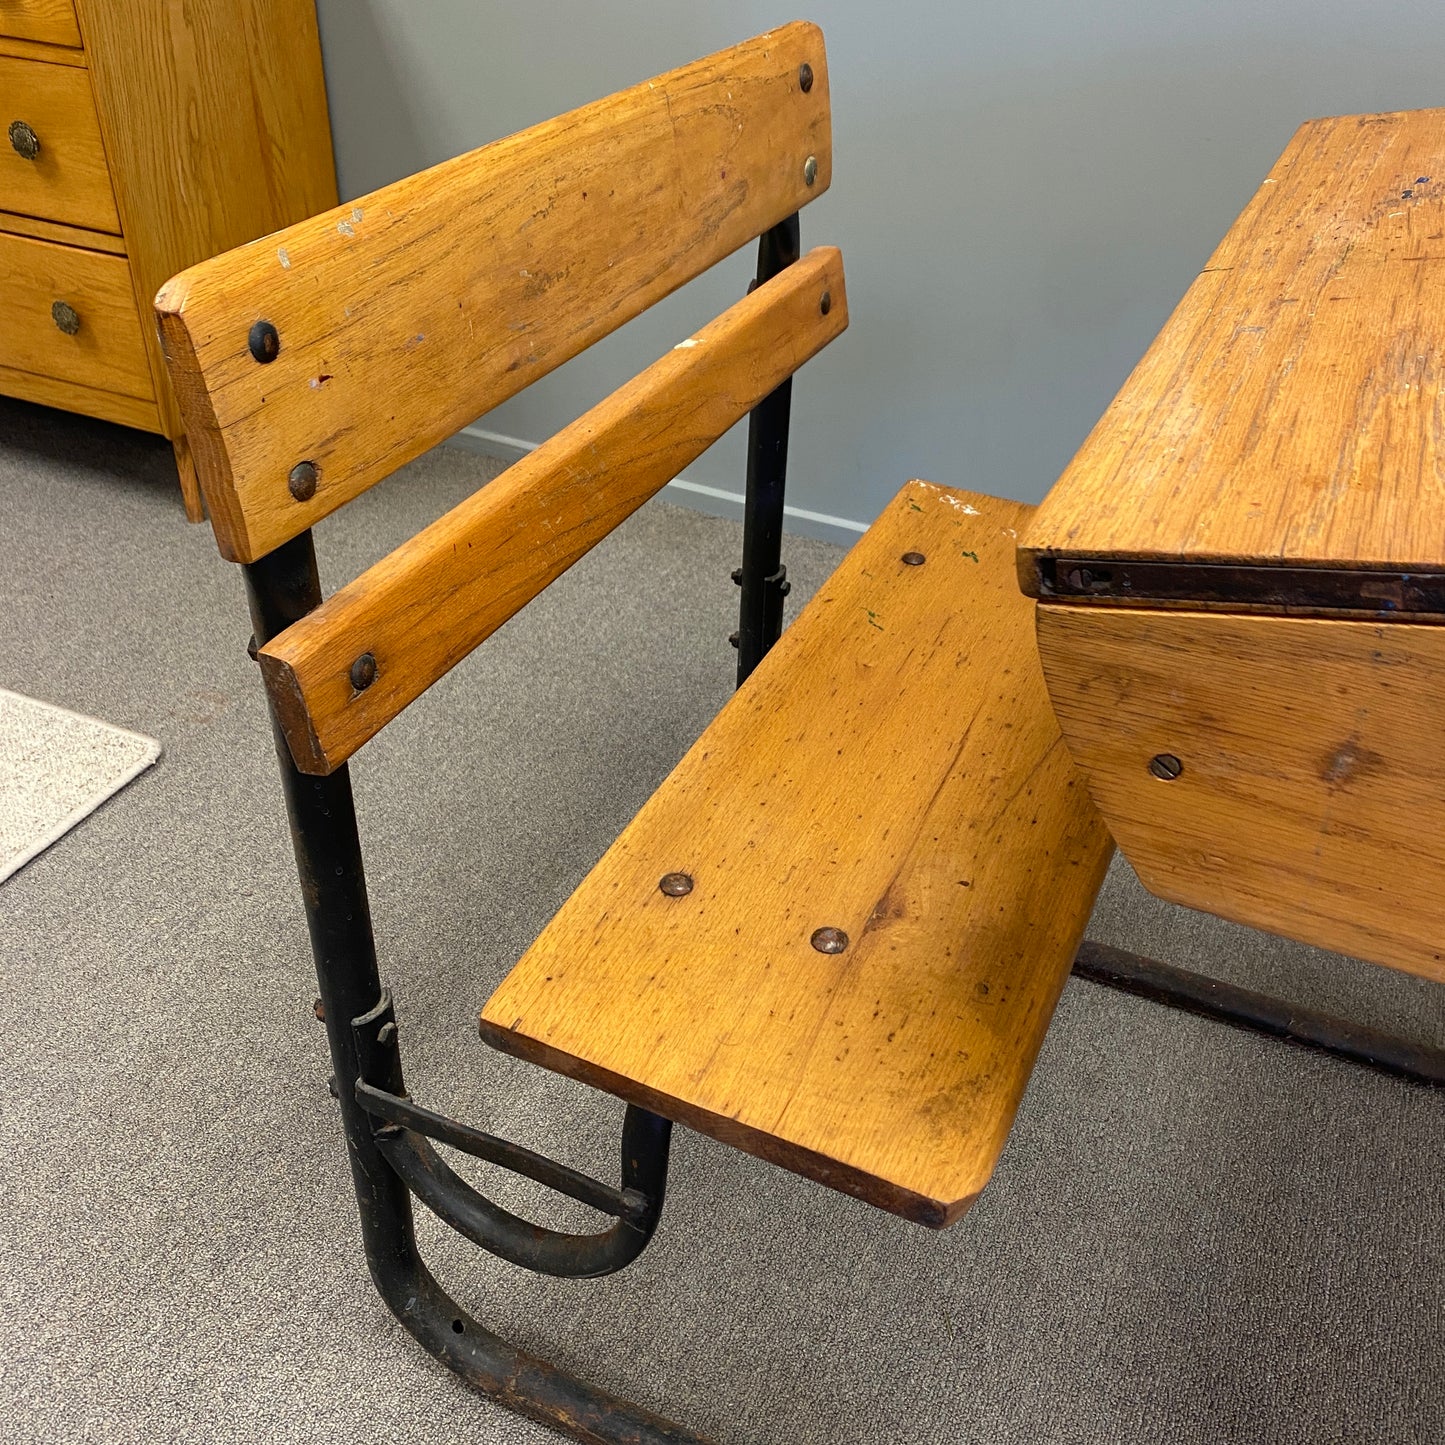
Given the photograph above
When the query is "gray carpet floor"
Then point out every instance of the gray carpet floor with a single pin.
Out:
(1194, 1235)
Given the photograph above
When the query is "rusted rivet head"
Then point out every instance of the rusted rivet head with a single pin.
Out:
(363, 672)
(825, 305)
(264, 341)
(810, 169)
(302, 481)
(1165, 766)
(675, 885)
(829, 940)
(805, 76)
(913, 559)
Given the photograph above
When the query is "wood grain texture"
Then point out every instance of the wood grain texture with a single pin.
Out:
(451, 290)
(135, 411)
(892, 769)
(215, 120)
(1289, 411)
(1312, 800)
(46, 54)
(69, 180)
(62, 235)
(106, 353)
(50, 21)
(421, 610)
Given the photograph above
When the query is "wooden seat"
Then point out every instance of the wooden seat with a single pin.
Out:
(890, 782)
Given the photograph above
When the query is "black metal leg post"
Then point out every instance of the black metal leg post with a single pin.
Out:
(762, 576)
(282, 587)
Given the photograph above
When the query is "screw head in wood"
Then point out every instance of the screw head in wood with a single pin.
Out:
(302, 481)
(810, 169)
(913, 559)
(805, 77)
(363, 672)
(675, 885)
(1166, 767)
(829, 940)
(264, 342)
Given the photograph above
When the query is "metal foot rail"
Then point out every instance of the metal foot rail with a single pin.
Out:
(1243, 1008)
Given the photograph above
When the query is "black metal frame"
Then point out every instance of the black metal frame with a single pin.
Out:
(388, 1136)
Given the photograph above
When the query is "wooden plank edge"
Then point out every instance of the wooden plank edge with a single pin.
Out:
(113, 406)
(846, 1179)
(314, 749)
(12, 47)
(14, 223)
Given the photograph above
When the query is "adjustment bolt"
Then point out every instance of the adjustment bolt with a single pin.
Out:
(805, 77)
(675, 885)
(913, 559)
(1166, 767)
(363, 672)
(734, 639)
(810, 169)
(302, 481)
(829, 940)
(738, 575)
(265, 342)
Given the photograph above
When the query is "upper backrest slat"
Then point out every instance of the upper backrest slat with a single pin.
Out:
(403, 316)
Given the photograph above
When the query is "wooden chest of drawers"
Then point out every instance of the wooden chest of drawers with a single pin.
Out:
(141, 137)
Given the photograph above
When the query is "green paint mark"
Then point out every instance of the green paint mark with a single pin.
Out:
(967, 553)
(914, 507)
(873, 619)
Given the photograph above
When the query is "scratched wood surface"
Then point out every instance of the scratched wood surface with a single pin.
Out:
(1312, 797)
(422, 609)
(407, 314)
(1289, 411)
(893, 770)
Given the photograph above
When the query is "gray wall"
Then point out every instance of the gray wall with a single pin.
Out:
(1022, 191)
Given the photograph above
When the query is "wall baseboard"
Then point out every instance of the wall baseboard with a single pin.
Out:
(701, 498)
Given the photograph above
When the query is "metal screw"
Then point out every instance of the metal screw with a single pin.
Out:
(805, 77)
(65, 316)
(913, 559)
(810, 169)
(675, 885)
(829, 940)
(265, 342)
(826, 304)
(363, 672)
(1166, 767)
(23, 140)
(302, 481)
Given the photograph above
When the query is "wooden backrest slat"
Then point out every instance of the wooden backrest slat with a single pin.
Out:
(423, 608)
(403, 316)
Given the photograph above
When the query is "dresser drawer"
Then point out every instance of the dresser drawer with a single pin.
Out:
(38, 280)
(52, 163)
(52, 21)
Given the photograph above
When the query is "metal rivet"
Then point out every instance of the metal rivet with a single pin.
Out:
(302, 481)
(810, 169)
(23, 141)
(65, 316)
(913, 559)
(805, 76)
(826, 304)
(1166, 767)
(264, 341)
(363, 672)
(829, 940)
(675, 885)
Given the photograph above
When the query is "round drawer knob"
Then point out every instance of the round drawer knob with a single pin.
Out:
(24, 140)
(65, 317)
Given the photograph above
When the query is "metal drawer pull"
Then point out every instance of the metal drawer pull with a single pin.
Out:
(65, 316)
(24, 140)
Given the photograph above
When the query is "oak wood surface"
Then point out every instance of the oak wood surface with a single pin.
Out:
(50, 21)
(134, 411)
(1312, 797)
(451, 290)
(47, 54)
(419, 611)
(41, 230)
(892, 769)
(215, 120)
(1288, 412)
(106, 353)
(68, 181)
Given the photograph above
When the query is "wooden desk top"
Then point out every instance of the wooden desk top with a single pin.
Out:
(1290, 413)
